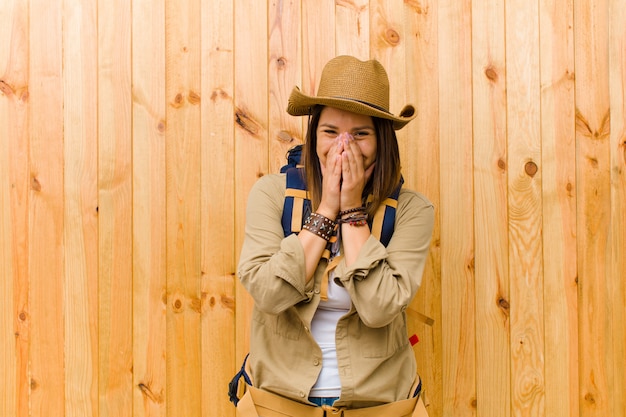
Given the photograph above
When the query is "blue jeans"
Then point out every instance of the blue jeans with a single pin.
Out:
(320, 401)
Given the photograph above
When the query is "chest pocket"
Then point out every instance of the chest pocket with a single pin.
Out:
(286, 325)
(383, 342)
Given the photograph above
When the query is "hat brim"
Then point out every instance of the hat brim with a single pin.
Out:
(300, 104)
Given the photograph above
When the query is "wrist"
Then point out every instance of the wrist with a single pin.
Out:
(320, 225)
(327, 211)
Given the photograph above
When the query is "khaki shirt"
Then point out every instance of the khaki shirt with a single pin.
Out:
(376, 361)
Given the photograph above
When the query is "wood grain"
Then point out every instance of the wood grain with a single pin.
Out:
(388, 46)
(80, 228)
(131, 134)
(593, 206)
(559, 208)
(46, 207)
(14, 212)
(352, 30)
(115, 207)
(524, 208)
(284, 73)
(318, 45)
(493, 298)
(458, 258)
(218, 209)
(420, 156)
(251, 133)
(182, 151)
(149, 208)
(617, 260)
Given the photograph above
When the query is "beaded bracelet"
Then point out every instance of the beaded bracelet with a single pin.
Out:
(320, 225)
(352, 210)
(356, 219)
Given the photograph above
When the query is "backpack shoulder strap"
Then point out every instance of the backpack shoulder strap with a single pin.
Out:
(384, 220)
(297, 204)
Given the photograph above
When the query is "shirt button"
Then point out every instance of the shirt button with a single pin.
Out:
(316, 361)
(306, 329)
(301, 394)
(317, 291)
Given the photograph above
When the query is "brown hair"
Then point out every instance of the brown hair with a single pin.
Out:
(386, 175)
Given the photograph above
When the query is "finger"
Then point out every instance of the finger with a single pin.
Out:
(369, 171)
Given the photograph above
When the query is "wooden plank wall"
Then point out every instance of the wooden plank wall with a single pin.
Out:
(132, 131)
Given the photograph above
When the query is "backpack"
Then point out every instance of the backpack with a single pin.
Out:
(297, 205)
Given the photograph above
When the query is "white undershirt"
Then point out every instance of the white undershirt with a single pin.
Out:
(323, 328)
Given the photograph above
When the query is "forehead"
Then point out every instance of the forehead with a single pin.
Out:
(335, 116)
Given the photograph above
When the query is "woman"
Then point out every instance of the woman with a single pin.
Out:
(329, 324)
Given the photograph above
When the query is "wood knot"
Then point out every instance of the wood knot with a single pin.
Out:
(281, 62)
(147, 392)
(178, 101)
(491, 74)
(193, 98)
(35, 184)
(471, 264)
(196, 305)
(531, 168)
(177, 304)
(161, 126)
(418, 6)
(392, 36)
(22, 316)
(590, 398)
(284, 136)
(501, 164)
(5, 88)
(504, 304)
(227, 302)
(24, 96)
(219, 93)
(246, 122)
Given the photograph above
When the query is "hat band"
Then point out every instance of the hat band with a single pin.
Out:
(365, 103)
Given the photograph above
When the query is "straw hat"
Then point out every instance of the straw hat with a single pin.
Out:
(350, 84)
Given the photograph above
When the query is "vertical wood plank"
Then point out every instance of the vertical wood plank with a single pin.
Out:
(493, 359)
(14, 209)
(420, 156)
(115, 251)
(80, 232)
(387, 45)
(594, 203)
(559, 208)
(218, 209)
(525, 203)
(617, 258)
(149, 208)
(46, 255)
(284, 72)
(352, 31)
(8, 354)
(251, 132)
(182, 82)
(457, 233)
(318, 45)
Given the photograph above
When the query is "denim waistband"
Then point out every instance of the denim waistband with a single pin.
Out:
(320, 401)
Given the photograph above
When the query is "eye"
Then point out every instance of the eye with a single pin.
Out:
(330, 132)
(360, 134)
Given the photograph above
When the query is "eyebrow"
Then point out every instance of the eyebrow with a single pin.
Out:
(364, 127)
